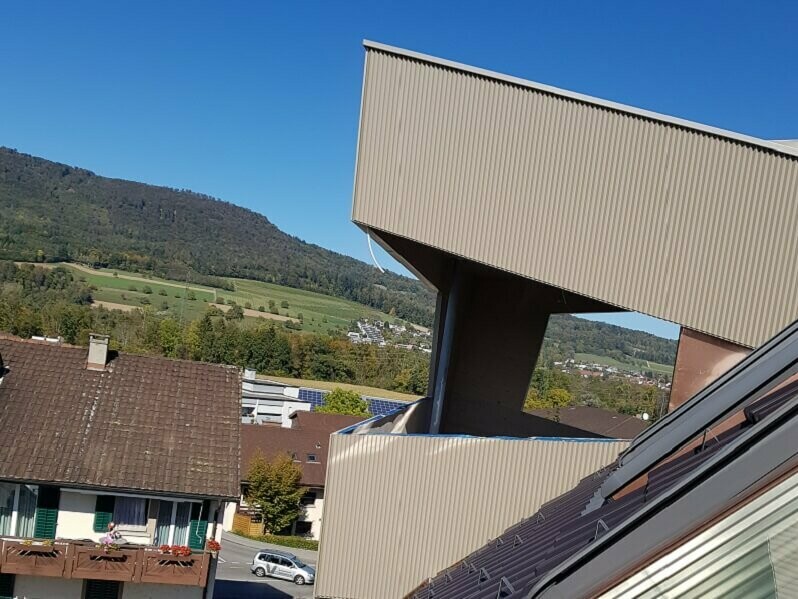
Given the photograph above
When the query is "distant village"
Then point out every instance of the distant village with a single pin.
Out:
(593, 370)
(378, 332)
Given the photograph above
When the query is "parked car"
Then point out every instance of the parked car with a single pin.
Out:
(280, 564)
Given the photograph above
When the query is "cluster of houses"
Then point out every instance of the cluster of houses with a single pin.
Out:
(374, 331)
(594, 370)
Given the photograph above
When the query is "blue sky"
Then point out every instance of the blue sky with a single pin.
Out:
(257, 103)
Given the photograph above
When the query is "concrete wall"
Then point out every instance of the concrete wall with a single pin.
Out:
(45, 587)
(700, 360)
(160, 591)
(400, 508)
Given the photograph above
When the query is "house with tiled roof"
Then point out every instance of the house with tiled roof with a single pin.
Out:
(306, 439)
(94, 437)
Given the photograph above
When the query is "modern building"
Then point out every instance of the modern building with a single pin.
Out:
(704, 504)
(93, 437)
(307, 441)
(264, 401)
(515, 201)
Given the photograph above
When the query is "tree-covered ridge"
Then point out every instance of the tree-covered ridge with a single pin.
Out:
(567, 335)
(53, 212)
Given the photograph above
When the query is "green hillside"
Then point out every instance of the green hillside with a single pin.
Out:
(55, 213)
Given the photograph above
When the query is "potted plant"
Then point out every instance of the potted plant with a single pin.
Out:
(213, 546)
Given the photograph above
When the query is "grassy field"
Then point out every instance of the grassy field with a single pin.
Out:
(632, 364)
(320, 313)
(326, 385)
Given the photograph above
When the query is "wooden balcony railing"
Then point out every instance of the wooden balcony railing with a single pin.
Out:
(79, 559)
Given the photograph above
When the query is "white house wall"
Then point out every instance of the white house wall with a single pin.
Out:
(45, 587)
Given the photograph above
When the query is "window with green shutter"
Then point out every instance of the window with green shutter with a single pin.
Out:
(6, 586)
(198, 526)
(103, 512)
(102, 589)
(46, 512)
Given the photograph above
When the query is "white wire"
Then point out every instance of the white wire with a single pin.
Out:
(373, 257)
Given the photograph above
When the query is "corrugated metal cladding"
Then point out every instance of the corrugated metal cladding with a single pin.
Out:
(398, 509)
(682, 224)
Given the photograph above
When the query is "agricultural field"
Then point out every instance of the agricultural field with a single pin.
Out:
(654, 367)
(305, 310)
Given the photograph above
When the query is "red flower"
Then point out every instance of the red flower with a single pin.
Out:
(164, 548)
(213, 545)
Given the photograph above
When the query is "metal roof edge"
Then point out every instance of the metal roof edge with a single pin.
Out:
(782, 422)
(584, 98)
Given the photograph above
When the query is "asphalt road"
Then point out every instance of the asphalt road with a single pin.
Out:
(235, 581)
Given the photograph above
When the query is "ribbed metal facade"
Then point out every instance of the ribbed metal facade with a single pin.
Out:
(682, 223)
(398, 509)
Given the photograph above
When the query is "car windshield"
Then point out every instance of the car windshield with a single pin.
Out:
(298, 563)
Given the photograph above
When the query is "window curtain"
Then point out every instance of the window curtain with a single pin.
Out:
(26, 516)
(182, 519)
(163, 522)
(7, 491)
(130, 511)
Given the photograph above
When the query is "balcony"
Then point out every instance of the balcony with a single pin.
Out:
(78, 559)
(437, 497)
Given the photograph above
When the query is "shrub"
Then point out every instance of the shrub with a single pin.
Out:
(132, 288)
(261, 309)
(284, 540)
(248, 305)
(147, 289)
(284, 304)
(162, 291)
(191, 296)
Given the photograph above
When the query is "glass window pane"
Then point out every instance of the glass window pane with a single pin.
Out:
(181, 522)
(7, 492)
(26, 516)
(130, 511)
(164, 522)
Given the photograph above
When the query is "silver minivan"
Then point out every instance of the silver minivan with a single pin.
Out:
(280, 564)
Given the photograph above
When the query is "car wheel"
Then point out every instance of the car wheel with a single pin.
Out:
(260, 572)
(298, 579)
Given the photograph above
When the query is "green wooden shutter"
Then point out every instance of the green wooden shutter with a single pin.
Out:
(102, 589)
(46, 512)
(6, 586)
(197, 528)
(103, 512)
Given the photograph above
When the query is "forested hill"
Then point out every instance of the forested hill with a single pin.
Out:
(567, 335)
(53, 212)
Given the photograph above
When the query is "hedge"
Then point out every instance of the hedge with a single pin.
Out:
(285, 541)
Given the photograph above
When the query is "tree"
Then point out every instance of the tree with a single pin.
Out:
(556, 399)
(341, 401)
(147, 289)
(274, 490)
(162, 292)
(284, 304)
(235, 312)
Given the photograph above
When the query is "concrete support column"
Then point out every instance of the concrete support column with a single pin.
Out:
(494, 329)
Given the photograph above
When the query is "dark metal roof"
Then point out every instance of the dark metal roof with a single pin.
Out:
(596, 420)
(145, 424)
(512, 564)
(309, 434)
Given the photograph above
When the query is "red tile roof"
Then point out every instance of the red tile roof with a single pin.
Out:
(145, 423)
(310, 434)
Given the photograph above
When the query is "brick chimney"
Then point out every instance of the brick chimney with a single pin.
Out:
(98, 352)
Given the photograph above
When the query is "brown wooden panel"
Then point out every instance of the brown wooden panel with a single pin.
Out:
(39, 560)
